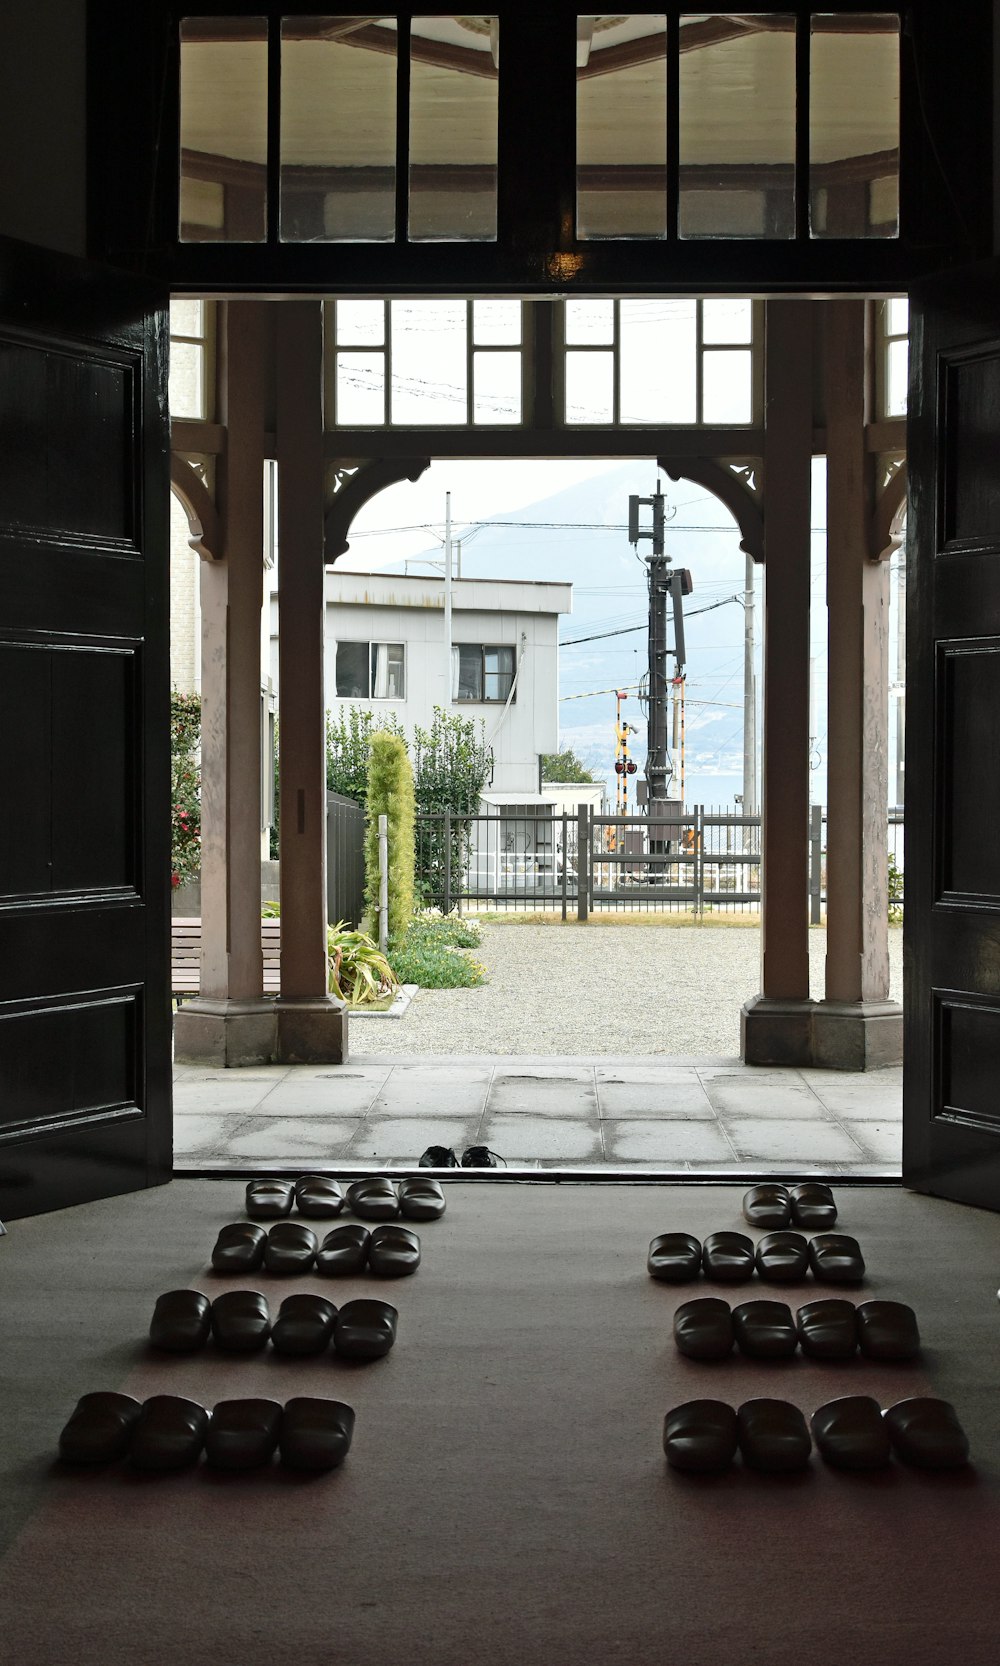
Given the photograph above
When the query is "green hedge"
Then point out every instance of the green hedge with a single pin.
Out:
(390, 794)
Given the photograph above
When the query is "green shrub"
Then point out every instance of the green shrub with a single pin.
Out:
(449, 931)
(419, 957)
(185, 787)
(359, 972)
(390, 794)
(349, 738)
(895, 892)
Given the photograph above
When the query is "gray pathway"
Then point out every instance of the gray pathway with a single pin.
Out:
(603, 988)
(685, 1115)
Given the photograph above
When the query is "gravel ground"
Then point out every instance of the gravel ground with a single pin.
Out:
(597, 989)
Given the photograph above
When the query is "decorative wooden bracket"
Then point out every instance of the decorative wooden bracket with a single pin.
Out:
(357, 487)
(199, 507)
(737, 484)
(890, 513)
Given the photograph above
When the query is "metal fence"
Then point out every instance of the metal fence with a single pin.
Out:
(345, 859)
(693, 859)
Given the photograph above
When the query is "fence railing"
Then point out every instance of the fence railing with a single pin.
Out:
(696, 859)
(345, 859)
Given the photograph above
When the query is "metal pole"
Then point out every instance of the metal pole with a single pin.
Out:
(815, 862)
(383, 882)
(565, 860)
(749, 704)
(900, 675)
(447, 862)
(446, 702)
(582, 861)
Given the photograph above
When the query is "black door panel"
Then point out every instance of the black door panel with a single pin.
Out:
(84, 831)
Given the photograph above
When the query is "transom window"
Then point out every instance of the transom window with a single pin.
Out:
(481, 674)
(766, 125)
(189, 352)
(894, 356)
(434, 363)
(371, 671)
(681, 361)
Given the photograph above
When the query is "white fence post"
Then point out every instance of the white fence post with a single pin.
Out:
(383, 883)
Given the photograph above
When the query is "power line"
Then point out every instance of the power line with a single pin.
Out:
(627, 630)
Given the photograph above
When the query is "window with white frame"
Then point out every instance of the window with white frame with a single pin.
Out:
(894, 360)
(189, 360)
(481, 674)
(665, 360)
(371, 671)
(419, 363)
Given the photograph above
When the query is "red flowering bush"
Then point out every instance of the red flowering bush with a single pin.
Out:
(185, 787)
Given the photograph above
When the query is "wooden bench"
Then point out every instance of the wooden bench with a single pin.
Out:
(185, 957)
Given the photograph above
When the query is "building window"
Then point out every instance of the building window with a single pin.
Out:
(425, 363)
(664, 360)
(894, 358)
(371, 671)
(482, 674)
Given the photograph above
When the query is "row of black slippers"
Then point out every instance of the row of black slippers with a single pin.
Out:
(169, 1432)
(239, 1322)
(702, 1437)
(373, 1198)
(388, 1251)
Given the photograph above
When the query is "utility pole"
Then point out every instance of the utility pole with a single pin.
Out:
(658, 769)
(446, 702)
(749, 702)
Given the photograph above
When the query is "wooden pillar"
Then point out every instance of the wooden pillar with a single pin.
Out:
(776, 1025)
(312, 1025)
(855, 1026)
(231, 1023)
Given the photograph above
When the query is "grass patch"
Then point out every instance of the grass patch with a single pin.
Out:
(433, 952)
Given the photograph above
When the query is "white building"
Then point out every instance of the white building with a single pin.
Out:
(385, 649)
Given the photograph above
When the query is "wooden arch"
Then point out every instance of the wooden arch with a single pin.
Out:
(731, 488)
(358, 489)
(199, 507)
(887, 521)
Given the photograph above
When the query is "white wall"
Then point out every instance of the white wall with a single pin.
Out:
(524, 616)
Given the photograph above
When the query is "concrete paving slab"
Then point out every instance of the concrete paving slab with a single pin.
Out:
(771, 1097)
(519, 1139)
(207, 1135)
(433, 1091)
(403, 1140)
(646, 1095)
(676, 1142)
(543, 1092)
(791, 1140)
(881, 1140)
(318, 1139)
(352, 1096)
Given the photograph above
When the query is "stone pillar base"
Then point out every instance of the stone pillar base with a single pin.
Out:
(857, 1035)
(824, 1035)
(225, 1033)
(776, 1032)
(311, 1031)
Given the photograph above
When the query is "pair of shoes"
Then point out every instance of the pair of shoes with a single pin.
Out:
(314, 1195)
(243, 1247)
(473, 1157)
(169, 1432)
(377, 1199)
(810, 1205)
(702, 1436)
(240, 1323)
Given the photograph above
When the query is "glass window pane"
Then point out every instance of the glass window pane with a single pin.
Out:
(727, 322)
(499, 672)
(223, 184)
(429, 372)
(360, 390)
(854, 125)
(726, 386)
(187, 379)
(897, 372)
(737, 125)
(387, 671)
(352, 670)
(590, 323)
(621, 126)
(470, 672)
(590, 384)
(453, 128)
(496, 384)
(186, 318)
(658, 361)
(897, 316)
(496, 323)
(338, 129)
(360, 323)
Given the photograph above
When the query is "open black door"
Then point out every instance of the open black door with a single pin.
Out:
(951, 1076)
(84, 715)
